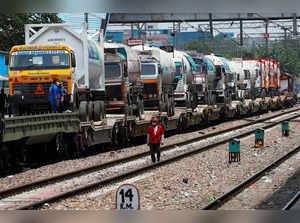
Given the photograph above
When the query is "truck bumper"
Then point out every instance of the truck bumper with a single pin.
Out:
(36, 99)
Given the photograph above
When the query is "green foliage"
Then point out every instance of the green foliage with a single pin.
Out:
(12, 26)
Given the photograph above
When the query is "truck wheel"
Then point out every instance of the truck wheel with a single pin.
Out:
(170, 107)
(140, 109)
(99, 113)
(91, 110)
(76, 103)
(188, 100)
(161, 106)
(103, 113)
(83, 111)
(128, 110)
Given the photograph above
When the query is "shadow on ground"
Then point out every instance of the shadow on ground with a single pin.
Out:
(282, 196)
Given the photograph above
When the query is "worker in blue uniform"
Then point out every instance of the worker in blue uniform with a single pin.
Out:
(54, 96)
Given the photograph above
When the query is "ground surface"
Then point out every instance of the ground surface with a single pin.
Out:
(208, 173)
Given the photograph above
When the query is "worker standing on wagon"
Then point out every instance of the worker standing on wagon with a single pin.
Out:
(54, 96)
(155, 137)
(61, 90)
(3, 101)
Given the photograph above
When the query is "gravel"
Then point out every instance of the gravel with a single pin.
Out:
(271, 192)
(209, 175)
(60, 187)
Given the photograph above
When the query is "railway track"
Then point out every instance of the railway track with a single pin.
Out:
(221, 200)
(293, 204)
(28, 197)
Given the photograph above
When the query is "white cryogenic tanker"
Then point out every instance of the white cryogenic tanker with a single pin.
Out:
(185, 92)
(158, 76)
(84, 82)
(218, 83)
(251, 78)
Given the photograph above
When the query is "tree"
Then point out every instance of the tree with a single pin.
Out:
(12, 26)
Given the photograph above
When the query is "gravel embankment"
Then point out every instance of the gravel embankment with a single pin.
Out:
(271, 192)
(70, 165)
(209, 175)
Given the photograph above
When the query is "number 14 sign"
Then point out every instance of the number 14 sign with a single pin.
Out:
(128, 198)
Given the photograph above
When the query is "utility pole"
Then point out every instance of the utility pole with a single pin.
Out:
(199, 30)
(285, 33)
(145, 24)
(241, 33)
(211, 26)
(295, 32)
(86, 19)
(139, 31)
(266, 37)
(174, 39)
(131, 30)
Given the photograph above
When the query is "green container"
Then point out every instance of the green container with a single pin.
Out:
(234, 146)
(259, 137)
(285, 126)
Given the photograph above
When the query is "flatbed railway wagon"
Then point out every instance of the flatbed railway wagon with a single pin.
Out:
(64, 134)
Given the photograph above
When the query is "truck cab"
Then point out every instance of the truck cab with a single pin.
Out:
(115, 80)
(31, 69)
(123, 85)
(151, 77)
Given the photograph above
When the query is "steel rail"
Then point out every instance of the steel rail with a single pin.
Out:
(292, 202)
(79, 172)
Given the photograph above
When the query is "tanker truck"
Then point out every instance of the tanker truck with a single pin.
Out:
(218, 87)
(185, 91)
(123, 84)
(57, 51)
(158, 76)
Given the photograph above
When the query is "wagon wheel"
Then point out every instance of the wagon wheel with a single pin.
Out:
(83, 111)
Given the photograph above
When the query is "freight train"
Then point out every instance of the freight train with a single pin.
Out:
(102, 77)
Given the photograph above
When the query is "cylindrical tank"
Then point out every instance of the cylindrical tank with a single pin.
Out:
(212, 76)
(133, 62)
(95, 68)
(187, 66)
(165, 59)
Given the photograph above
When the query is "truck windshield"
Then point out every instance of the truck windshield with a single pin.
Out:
(3, 83)
(231, 77)
(40, 59)
(112, 71)
(148, 69)
(178, 71)
(198, 68)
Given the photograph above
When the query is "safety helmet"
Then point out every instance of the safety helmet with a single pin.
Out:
(154, 119)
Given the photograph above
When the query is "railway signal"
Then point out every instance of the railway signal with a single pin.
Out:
(285, 128)
(127, 198)
(259, 138)
(234, 150)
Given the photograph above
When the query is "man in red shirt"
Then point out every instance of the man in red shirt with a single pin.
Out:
(155, 137)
